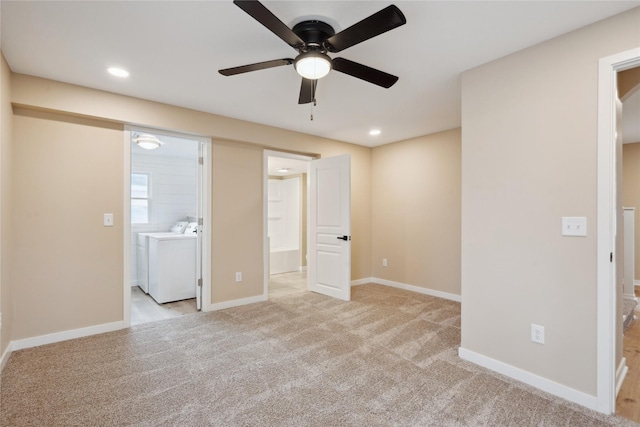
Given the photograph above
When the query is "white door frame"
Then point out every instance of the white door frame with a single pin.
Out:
(265, 206)
(206, 215)
(606, 210)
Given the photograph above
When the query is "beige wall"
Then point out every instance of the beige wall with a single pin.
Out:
(237, 194)
(68, 267)
(528, 158)
(628, 80)
(416, 211)
(6, 231)
(236, 214)
(631, 190)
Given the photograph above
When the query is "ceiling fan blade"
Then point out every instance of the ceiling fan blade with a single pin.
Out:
(380, 22)
(363, 72)
(264, 16)
(307, 91)
(255, 67)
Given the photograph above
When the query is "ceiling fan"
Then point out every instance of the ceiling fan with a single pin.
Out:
(314, 39)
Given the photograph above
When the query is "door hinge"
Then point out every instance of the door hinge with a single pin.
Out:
(200, 160)
(200, 221)
(199, 282)
(610, 256)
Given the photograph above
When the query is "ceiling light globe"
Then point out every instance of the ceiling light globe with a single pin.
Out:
(313, 65)
(148, 142)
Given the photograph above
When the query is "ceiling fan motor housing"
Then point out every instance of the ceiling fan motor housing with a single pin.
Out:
(314, 34)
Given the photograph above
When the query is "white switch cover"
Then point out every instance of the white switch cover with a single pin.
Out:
(574, 226)
(108, 220)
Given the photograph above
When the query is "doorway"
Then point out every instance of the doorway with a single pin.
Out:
(628, 394)
(165, 196)
(328, 223)
(609, 331)
(286, 219)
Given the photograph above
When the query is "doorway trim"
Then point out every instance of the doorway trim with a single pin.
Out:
(205, 189)
(265, 209)
(608, 68)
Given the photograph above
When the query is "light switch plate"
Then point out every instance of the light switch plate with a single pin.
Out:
(574, 226)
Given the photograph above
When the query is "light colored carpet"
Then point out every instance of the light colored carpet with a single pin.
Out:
(386, 358)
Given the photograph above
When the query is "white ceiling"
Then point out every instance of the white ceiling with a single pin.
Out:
(173, 51)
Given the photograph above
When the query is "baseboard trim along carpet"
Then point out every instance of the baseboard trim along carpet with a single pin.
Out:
(534, 380)
(406, 287)
(5, 356)
(236, 303)
(65, 335)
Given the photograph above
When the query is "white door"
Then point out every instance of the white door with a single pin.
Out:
(329, 257)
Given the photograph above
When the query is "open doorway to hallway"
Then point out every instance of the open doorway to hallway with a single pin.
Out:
(628, 88)
(286, 222)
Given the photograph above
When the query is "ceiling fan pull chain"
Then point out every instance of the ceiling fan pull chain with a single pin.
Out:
(313, 104)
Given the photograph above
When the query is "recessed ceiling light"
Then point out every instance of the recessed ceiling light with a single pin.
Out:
(374, 132)
(118, 72)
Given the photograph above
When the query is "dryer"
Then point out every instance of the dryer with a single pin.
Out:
(172, 266)
(142, 250)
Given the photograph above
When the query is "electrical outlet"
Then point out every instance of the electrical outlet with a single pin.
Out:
(238, 276)
(108, 220)
(384, 262)
(537, 333)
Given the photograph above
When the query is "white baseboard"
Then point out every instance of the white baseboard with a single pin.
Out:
(636, 282)
(533, 380)
(621, 373)
(236, 303)
(406, 287)
(5, 356)
(364, 281)
(65, 335)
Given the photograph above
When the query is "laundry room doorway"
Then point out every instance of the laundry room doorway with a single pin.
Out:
(166, 195)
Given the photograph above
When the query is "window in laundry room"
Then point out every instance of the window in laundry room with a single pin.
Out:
(139, 198)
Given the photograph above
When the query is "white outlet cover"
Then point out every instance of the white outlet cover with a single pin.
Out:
(537, 333)
(108, 220)
(575, 226)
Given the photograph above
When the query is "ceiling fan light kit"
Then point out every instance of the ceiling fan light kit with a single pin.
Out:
(314, 40)
(313, 65)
